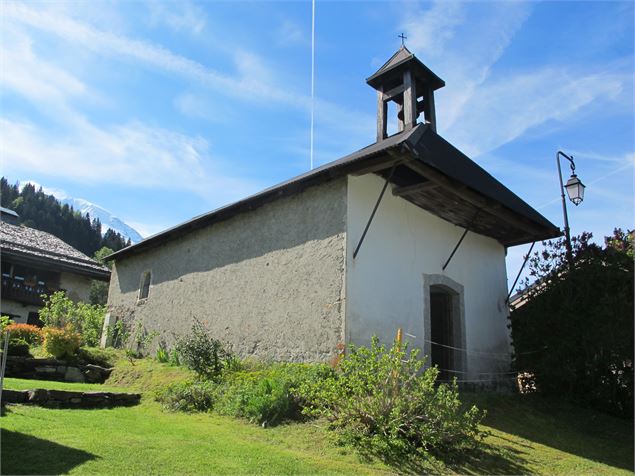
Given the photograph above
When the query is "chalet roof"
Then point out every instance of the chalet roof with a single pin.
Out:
(38, 248)
(398, 62)
(428, 171)
(8, 211)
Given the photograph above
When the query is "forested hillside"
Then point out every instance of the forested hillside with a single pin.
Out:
(46, 213)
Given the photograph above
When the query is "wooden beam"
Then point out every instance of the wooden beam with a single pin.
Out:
(394, 92)
(470, 196)
(382, 117)
(418, 187)
(374, 166)
(409, 101)
(429, 110)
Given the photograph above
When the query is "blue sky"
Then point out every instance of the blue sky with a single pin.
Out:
(159, 111)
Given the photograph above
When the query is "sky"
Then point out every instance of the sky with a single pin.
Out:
(159, 111)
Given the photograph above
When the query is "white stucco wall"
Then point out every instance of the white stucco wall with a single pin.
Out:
(270, 281)
(9, 306)
(385, 283)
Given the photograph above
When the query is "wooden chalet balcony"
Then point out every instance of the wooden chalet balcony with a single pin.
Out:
(16, 289)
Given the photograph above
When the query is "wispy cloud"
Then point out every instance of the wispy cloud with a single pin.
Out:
(479, 111)
(178, 16)
(132, 154)
(289, 33)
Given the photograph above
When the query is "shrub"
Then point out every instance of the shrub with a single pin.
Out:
(28, 333)
(4, 322)
(162, 354)
(59, 311)
(202, 353)
(383, 403)
(61, 342)
(196, 396)
(102, 357)
(266, 396)
(574, 334)
(19, 348)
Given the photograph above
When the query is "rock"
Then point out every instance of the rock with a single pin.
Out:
(73, 374)
(95, 373)
(15, 396)
(38, 395)
(45, 369)
(63, 395)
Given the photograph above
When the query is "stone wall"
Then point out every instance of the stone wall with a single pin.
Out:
(53, 369)
(70, 399)
(270, 282)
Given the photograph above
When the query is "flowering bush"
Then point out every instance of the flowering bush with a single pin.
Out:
(62, 342)
(28, 333)
(59, 311)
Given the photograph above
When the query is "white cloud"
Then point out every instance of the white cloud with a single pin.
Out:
(133, 154)
(289, 33)
(178, 16)
(507, 107)
(461, 42)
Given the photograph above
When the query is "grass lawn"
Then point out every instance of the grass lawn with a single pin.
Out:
(528, 435)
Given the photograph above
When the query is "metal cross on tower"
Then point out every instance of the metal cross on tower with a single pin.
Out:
(403, 38)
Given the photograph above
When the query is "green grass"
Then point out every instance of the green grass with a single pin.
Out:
(527, 435)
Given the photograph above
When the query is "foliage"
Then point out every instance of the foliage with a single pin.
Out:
(4, 322)
(62, 342)
(94, 355)
(44, 212)
(28, 333)
(575, 331)
(162, 354)
(202, 353)
(88, 320)
(19, 348)
(382, 402)
(191, 396)
(99, 289)
(266, 395)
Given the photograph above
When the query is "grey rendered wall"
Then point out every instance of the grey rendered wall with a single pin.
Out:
(270, 282)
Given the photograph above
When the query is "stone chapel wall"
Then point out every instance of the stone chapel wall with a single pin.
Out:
(270, 282)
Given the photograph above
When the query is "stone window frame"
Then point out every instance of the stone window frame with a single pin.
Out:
(144, 286)
(457, 292)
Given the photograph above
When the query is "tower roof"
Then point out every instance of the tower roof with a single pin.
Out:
(394, 67)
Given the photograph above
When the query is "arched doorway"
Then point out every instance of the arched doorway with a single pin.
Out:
(444, 323)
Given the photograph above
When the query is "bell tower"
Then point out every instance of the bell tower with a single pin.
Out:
(411, 85)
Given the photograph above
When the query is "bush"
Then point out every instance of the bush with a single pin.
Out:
(28, 333)
(19, 348)
(266, 396)
(4, 322)
(196, 396)
(574, 334)
(202, 353)
(102, 357)
(61, 342)
(59, 311)
(383, 403)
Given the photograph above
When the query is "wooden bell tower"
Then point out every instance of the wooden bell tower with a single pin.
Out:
(411, 85)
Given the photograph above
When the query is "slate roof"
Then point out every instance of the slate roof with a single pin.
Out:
(421, 145)
(397, 63)
(38, 247)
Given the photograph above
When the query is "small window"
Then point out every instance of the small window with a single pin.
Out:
(144, 286)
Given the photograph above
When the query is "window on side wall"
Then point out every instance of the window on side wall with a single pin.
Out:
(144, 285)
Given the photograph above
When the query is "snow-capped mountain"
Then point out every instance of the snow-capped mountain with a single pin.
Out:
(107, 219)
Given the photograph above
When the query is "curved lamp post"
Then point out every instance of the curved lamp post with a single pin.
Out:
(575, 191)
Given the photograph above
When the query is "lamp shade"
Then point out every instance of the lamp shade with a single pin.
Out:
(575, 189)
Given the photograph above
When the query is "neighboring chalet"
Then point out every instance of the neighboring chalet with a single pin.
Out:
(35, 263)
(406, 233)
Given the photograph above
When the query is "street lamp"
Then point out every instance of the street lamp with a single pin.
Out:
(575, 191)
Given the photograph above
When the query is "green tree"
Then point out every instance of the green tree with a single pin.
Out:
(575, 331)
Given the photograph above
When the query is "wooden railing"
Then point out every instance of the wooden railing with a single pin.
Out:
(16, 289)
